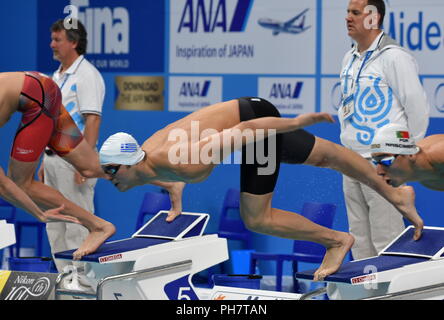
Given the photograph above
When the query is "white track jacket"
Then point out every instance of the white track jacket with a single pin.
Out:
(388, 91)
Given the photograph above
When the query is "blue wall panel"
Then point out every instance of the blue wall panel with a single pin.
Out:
(25, 47)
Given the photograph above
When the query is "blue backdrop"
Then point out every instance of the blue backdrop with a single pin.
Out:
(25, 34)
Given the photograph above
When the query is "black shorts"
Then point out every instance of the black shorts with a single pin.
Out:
(291, 147)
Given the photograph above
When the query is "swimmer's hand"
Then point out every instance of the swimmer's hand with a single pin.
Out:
(418, 230)
(406, 206)
(308, 119)
(78, 178)
(172, 214)
(55, 215)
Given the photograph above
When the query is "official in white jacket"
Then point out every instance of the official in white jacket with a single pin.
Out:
(380, 86)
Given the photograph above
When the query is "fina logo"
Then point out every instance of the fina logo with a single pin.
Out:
(413, 30)
(439, 98)
(286, 90)
(194, 89)
(212, 15)
(104, 26)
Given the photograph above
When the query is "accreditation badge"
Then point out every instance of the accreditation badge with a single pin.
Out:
(348, 106)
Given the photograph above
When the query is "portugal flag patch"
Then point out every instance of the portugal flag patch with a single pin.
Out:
(402, 135)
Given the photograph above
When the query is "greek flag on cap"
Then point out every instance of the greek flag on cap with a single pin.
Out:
(121, 148)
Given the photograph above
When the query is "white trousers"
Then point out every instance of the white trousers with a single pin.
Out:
(373, 221)
(62, 236)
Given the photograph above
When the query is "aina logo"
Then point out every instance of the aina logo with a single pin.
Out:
(194, 89)
(212, 15)
(414, 30)
(286, 90)
(108, 28)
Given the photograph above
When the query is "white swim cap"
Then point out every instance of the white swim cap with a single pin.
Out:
(393, 138)
(121, 148)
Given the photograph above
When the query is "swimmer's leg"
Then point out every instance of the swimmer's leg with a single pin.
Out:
(22, 173)
(259, 216)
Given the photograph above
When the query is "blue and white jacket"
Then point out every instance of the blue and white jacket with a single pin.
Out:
(388, 91)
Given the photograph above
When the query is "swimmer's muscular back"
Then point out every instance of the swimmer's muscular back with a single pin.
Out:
(217, 117)
(433, 149)
(11, 84)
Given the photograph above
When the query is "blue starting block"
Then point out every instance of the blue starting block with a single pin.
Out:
(403, 265)
(157, 262)
(155, 232)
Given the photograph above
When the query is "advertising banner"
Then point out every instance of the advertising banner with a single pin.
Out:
(17, 285)
(187, 94)
(434, 88)
(418, 27)
(242, 36)
(289, 95)
(139, 93)
(122, 35)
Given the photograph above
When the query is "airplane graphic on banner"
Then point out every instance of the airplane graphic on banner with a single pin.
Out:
(289, 26)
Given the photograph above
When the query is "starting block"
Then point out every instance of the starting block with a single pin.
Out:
(157, 262)
(405, 269)
(7, 234)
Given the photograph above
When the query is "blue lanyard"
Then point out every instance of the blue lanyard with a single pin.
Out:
(69, 74)
(367, 56)
(64, 81)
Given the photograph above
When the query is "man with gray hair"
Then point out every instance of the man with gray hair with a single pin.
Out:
(83, 92)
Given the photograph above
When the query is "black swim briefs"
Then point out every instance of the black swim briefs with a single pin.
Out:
(292, 147)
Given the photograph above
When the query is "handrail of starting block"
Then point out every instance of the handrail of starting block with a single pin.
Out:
(404, 294)
(134, 274)
(314, 293)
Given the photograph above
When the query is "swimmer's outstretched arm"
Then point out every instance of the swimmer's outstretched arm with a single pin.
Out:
(17, 197)
(175, 189)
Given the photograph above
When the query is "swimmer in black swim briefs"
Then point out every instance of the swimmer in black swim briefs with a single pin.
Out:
(166, 159)
(291, 147)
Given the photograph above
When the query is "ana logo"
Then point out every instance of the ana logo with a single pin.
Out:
(439, 98)
(108, 28)
(212, 15)
(286, 90)
(195, 88)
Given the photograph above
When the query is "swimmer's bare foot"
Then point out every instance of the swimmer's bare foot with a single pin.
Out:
(334, 256)
(406, 205)
(95, 239)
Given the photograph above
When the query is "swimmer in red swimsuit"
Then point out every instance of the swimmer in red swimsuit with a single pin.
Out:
(45, 122)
